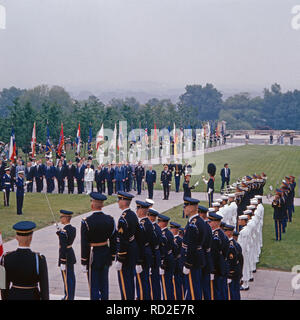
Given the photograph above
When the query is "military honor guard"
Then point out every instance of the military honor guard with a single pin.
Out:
(165, 180)
(178, 279)
(127, 248)
(211, 169)
(147, 242)
(98, 247)
(67, 258)
(168, 263)
(20, 183)
(150, 180)
(26, 271)
(6, 185)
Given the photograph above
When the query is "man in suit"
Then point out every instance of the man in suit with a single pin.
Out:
(139, 175)
(60, 175)
(79, 175)
(19, 167)
(120, 177)
(110, 174)
(49, 175)
(29, 174)
(178, 170)
(70, 174)
(150, 180)
(225, 175)
(39, 172)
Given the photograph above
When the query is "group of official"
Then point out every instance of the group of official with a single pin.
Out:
(283, 205)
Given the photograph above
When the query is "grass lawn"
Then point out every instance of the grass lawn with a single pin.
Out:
(36, 209)
(279, 255)
(275, 161)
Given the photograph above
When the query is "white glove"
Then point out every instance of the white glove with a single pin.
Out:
(138, 268)
(195, 185)
(186, 270)
(161, 271)
(212, 276)
(229, 281)
(63, 267)
(210, 190)
(118, 265)
(84, 269)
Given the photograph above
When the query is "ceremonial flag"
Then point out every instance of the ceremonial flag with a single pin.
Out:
(155, 133)
(146, 136)
(99, 145)
(33, 141)
(113, 143)
(175, 140)
(132, 135)
(1, 246)
(12, 146)
(48, 144)
(78, 139)
(90, 139)
(61, 141)
(120, 140)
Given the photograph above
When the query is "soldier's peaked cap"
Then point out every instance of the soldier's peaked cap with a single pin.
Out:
(153, 212)
(188, 200)
(202, 209)
(228, 227)
(163, 218)
(24, 227)
(98, 196)
(175, 225)
(125, 195)
(214, 216)
(66, 213)
(143, 204)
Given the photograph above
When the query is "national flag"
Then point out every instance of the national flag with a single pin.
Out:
(33, 141)
(175, 140)
(1, 246)
(120, 140)
(78, 140)
(12, 146)
(155, 133)
(48, 144)
(113, 143)
(90, 139)
(61, 141)
(99, 145)
(132, 137)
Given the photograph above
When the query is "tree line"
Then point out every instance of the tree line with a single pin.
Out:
(20, 108)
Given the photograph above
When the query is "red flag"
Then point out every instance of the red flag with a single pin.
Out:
(61, 141)
(155, 133)
(12, 146)
(1, 246)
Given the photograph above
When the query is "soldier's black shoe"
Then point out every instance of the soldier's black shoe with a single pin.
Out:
(244, 289)
(254, 271)
(251, 280)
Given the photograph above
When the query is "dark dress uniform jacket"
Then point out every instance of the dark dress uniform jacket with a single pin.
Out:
(25, 268)
(98, 228)
(66, 238)
(168, 262)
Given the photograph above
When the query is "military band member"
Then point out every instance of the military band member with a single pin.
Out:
(168, 265)
(67, 258)
(26, 271)
(178, 279)
(165, 179)
(193, 260)
(20, 192)
(6, 185)
(158, 255)
(127, 248)
(147, 241)
(98, 247)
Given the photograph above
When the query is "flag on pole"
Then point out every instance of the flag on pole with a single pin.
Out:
(99, 145)
(61, 141)
(155, 133)
(120, 140)
(1, 246)
(146, 136)
(175, 140)
(33, 141)
(12, 146)
(77, 140)
(113, 143)
(48, 144)
(90, 139)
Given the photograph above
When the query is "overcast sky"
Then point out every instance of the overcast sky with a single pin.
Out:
(108, 44)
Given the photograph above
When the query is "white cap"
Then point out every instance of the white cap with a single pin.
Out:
(231, 195)
(150, 201)
(243, 217)
(21, 172)
(258, 197)
(251, 207)
(211, 210)
(253, 201)
(216, 204)
(218, 200)
(247, 211)
(224, 197)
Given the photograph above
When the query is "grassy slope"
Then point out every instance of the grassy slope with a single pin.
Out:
(36, 209)
(275, 161)
(281, 255)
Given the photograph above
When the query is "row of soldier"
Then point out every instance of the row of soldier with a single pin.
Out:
(283, 205)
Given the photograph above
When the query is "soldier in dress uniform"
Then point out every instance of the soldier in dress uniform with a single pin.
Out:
(235, 270)
(127, 247)
(98, 247)
(67, 258)
(178, 280)
(220, 246)
(211, 169)
(165, 179)
(194, 259)
(157, 256)
(147, 241)
(208, 268)
(181, 232)
(20, 192)
(168, 265)
(26, 271)
(6, 185)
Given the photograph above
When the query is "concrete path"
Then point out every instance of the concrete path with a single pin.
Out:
(267, 284)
